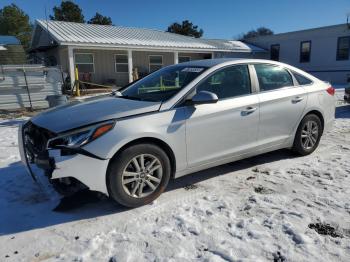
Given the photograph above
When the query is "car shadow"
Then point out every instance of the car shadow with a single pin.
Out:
(26, 205)
(230, 167)
(342, 111)
(14, 122)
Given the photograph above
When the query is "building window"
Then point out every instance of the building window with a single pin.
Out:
(343, 48)
(121, 63)
(155, 62)
(275, 52)
(183, 59)
(305, 51)
(84, 62)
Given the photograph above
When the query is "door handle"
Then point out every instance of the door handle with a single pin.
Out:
(248, 111)
(297, 99)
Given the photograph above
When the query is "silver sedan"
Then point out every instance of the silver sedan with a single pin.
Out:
(178, 120)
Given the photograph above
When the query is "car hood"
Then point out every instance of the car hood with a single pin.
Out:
(89, 111)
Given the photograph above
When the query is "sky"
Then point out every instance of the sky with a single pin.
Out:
(221, 19)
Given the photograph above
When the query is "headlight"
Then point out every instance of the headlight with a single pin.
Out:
(80, 137)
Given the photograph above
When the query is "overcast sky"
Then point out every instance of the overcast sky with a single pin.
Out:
(218, 18)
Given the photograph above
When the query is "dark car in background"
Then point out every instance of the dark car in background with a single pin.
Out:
(347, 95)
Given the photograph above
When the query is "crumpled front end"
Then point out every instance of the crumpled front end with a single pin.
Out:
(60, 165)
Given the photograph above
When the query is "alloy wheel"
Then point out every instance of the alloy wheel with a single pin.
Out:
(309, 134)
(142, 175)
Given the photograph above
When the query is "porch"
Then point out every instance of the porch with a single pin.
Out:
(117, 67)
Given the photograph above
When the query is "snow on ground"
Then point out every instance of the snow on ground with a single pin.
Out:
(258, 209)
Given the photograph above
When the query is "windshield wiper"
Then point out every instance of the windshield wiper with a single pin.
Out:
(131, 97)
(120, 95)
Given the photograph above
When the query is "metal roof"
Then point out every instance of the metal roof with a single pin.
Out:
(68, 33)
(233, 45)
(308, 30)
(9, 40)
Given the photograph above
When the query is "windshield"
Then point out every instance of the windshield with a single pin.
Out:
(162, 84)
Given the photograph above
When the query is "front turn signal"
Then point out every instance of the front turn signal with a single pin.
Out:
(102, 130)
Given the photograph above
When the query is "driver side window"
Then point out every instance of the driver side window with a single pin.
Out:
(228, 82)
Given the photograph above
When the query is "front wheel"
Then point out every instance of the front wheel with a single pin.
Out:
(308, 135)
(138, 175)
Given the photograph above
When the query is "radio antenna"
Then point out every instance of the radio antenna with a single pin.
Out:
(47, 28)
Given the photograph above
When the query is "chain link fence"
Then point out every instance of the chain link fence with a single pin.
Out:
(27, 86)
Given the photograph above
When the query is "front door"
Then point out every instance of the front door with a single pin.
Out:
(229, 127)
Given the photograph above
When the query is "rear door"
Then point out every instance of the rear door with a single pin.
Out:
(218, 131)
(281, 103)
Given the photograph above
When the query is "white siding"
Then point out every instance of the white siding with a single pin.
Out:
(323, 63)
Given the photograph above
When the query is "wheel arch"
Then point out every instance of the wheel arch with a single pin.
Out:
(317, 113)
(155, 141)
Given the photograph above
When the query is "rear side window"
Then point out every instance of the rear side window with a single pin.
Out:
(302, 80)
(272, 77)
(228, 82)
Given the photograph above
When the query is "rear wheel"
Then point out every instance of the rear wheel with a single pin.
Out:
(138, 175)
(308, 135)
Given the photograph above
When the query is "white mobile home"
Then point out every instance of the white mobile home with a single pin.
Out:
(110, 54)
(323, 52)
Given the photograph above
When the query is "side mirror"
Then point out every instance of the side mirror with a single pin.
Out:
(204, 97)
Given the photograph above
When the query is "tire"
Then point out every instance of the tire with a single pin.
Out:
(301, 146)
(122, 169)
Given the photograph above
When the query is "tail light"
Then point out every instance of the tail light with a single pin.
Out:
(330, 90)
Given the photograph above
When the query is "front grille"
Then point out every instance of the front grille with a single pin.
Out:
(34, 140)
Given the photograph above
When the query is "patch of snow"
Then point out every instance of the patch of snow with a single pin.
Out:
(256, 209)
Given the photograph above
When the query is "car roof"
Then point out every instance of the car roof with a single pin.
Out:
(226, 61)
(208, 62)
(218, 61)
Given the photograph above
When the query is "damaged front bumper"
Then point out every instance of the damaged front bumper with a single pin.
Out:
(58, 164)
